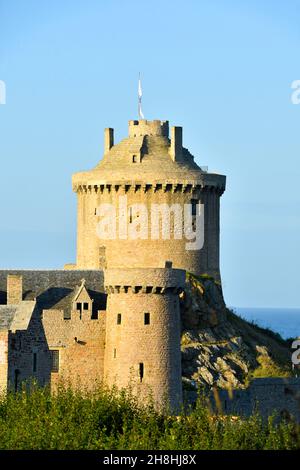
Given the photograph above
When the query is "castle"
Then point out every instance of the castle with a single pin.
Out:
(114, 315)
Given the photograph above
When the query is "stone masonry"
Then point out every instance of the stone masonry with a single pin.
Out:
(114, 315)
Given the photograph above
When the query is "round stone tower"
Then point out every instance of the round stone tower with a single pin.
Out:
(142, 347)
(148, 179)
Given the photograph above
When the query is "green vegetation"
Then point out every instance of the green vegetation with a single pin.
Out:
(268, 368)
(106, 420)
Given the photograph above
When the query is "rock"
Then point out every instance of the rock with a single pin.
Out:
(218, 347)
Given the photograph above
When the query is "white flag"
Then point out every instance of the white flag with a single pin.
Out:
(141, 115)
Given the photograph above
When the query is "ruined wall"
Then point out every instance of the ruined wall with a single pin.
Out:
(265, 395)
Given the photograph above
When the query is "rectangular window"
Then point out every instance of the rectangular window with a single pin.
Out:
(79, 306)
(147, 318)
(54, 360)
(141, 371)
(130, 215)
(194, 206)
(34, 363)
(134, 159)
(119, 319)
(17, 375)
(115, 353)
(85, 306)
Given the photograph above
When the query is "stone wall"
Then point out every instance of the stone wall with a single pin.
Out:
(3, 360)
(14, 289)
(143, 333)
(80, 343)
(145, 251)
(264, 395)
(28, 354)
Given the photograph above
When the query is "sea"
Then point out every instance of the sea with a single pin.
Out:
(285, 321)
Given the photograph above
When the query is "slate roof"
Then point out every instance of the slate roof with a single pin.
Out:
(16, 317)
(53, 289)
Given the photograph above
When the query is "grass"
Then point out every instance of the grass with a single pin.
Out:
(115, 420)
(260, 329)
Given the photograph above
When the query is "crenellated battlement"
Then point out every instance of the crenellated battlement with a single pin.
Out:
(144, 127)
(217, 185)
(144, 280)
(142, 343)
(116, 289)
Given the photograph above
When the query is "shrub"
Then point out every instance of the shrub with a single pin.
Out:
(104, 419)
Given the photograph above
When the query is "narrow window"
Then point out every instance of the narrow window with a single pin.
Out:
(67, 315)
(85, 306)
(146, 318)
(134, 159)
(34, 365)
(17, 374)
(119, 319)
(95, 211)
(54, 360)
(194, 206)
(79, 308)
(141, 371)
(115, 353)
(130, 215)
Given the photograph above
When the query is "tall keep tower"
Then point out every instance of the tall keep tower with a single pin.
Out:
(142, 346)
(146, 168)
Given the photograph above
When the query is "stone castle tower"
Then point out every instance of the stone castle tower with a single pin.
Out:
(144, 273)
(151, 169)
(114, 316)
(142, 345)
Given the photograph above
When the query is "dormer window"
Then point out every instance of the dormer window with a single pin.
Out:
(82, 301)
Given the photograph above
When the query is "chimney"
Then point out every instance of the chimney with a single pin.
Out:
(14, 289)
(176, 143)
(108, 139)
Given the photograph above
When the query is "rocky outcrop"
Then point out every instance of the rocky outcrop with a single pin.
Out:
(221, 349)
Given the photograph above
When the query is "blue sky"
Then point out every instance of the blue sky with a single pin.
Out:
(221, 69)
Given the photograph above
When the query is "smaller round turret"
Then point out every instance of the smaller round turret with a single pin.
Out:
(142, 347)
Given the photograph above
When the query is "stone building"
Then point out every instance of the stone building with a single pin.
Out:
(114, 316)
(150, 169)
